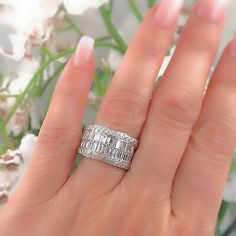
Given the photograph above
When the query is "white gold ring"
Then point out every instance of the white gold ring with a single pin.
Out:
(110, 146)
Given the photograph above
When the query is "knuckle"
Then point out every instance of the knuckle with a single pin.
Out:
(179, 107)
(202, 44)
(128, 110)
(55, 136)
(148, 52)
(216, 137)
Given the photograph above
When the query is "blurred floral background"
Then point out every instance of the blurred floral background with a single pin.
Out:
(36, 39)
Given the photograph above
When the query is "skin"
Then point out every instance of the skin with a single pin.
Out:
(177, 177)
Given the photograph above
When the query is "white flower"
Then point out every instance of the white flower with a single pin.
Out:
(10, 172)
(11, 160)
(76, 7)
(114, 59)
(27, 146)
(89, 23)
(18, 123)
(14, 69)
(35, 114)
(18, 84)
(28, 22)
(10, 180)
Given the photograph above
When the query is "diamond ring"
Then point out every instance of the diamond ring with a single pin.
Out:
(110, 146)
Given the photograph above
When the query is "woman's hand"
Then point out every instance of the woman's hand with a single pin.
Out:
(177, 177)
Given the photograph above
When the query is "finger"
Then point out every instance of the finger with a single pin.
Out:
(203, 171)
(177, 101)
(60, 133)
(126, 103)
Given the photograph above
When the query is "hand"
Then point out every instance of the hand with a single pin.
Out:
(177, 177)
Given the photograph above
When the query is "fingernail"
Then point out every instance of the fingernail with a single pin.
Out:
(232, 48)
(84, 51)
(211, 10)
(167, 12)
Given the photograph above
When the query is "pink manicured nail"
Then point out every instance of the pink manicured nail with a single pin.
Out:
(167, 12)
(84, 51)
(232, 48)
(211, 10)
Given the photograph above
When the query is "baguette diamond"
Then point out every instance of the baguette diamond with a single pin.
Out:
(107, 145)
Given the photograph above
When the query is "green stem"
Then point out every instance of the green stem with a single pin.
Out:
(4, 142)
(218, 231)
(73, 25)
(105, 80)
(44, 56)
(135, 10)
(105, 37)
(97, 84)
(151, 3)
(231, 229)
(9, 95)
(106, 44)
(110, 6)
(223, 210)
(233, 166)
(64, 29)
(55, 74)
(46, 52)
(23, 95)
(112, 29)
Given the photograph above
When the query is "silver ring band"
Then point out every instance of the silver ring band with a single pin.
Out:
(112, 147)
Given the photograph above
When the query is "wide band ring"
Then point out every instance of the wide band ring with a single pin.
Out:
(110, 146)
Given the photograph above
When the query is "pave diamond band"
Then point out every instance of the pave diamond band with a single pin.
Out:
(107, 145)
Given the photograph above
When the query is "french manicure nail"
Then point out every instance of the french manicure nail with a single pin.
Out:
(211, 10)
(232, 48)
(167, 12)
(84, 51)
